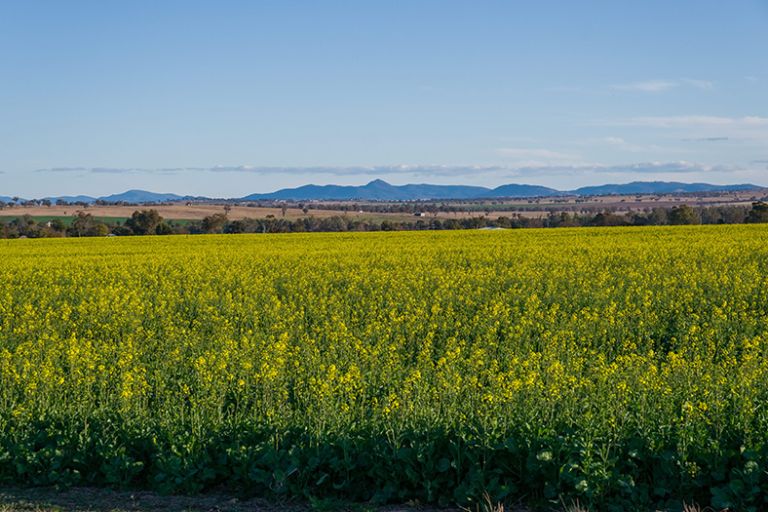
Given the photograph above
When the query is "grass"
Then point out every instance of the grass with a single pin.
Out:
(66, 219)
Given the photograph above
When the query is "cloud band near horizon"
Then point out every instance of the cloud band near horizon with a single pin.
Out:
(682, 167)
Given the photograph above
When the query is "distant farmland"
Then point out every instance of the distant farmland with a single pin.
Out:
(362, 210)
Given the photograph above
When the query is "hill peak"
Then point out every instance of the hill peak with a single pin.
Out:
(378, 183)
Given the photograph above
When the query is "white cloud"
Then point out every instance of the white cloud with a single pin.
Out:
(695, 121)
(534, 153)
(698, 84)
(641, 168)
(380, 170)
(377, 170)
(468, 174)
(532, 157)
(647, 86)
(655, 86)
(614, 141)
(622, 145)
(707, 139)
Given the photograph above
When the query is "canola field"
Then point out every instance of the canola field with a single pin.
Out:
(624, 367)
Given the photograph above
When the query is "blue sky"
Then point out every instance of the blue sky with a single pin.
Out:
(231, 97)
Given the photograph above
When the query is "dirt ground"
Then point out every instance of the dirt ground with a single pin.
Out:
(199, 211)
(171, 211)
(103, 500)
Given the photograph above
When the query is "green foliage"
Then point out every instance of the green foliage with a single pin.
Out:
(214, 223)
(758, 213)
(684, 214)
(144, 222)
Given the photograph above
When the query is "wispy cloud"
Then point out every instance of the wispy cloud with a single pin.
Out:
(642, 168)
(657, 86)
(63, 169)
(537, 157)
(623, 145)
(117, 170)
(447, 171)
(646, 86)
(694, 121)
(424, 170)
(707, 139)
(664, 168)
(534, 153)
(380, 170)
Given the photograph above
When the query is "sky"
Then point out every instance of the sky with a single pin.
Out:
(226, 98)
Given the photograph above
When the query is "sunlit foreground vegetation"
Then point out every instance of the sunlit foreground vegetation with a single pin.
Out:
(622, 367)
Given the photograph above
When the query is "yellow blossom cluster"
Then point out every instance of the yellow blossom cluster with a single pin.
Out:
(618, 332)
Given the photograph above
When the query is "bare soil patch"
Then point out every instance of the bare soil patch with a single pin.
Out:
(86, 499)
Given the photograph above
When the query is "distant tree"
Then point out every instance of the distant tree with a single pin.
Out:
(57, 225)
(82, 224)
(658, 217)
(122, 231)
(99, 229)
(608, 219)
(214, 223)
(758, 213)
(144, 222)
(560, 220)
(46, 202)
(163, 229)
(335, 224)
(683, 214)
(236, 226)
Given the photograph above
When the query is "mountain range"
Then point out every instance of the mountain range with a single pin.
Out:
(383, 191)
(379, 190)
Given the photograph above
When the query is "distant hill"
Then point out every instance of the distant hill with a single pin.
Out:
(376, 190)
(380, 190)
(142, 196)
(659, 187)
(73, 199)
(513, 190)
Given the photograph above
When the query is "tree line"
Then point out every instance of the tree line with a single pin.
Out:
(149, 222)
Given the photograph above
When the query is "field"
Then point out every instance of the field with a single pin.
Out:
(181, 211)
(624, 367)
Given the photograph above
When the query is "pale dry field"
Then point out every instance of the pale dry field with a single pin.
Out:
(170, 211)
(199, 211)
